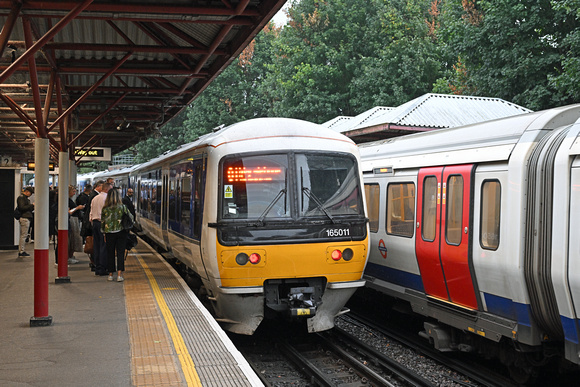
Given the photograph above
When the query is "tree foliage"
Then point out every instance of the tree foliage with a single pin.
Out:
(342, 57)
(510, 49)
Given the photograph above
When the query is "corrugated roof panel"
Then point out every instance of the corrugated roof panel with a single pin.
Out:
(435, 111)
(336, 121)
(445, 111)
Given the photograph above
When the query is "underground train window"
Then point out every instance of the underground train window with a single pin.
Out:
(401, 209)
(490, 214)
(328, 185)
(454, 218)
(255, 187)
(373, 196)
(429, 216)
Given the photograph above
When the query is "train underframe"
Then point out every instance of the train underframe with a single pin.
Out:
(451, 329)
(241, 310)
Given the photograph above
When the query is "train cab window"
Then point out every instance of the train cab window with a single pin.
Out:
(429, 218)
(328, 185)
(454, 216)
(401, 209)
(490, 214)
(372, 194)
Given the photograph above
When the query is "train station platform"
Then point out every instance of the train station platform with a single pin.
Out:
(149, 330)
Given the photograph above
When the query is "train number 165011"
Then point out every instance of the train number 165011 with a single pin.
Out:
(337, 232)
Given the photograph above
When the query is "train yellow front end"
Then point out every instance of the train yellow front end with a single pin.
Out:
(290, 230)
(311, 281)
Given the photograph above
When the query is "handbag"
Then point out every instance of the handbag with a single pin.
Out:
(126, 220)
(88, 245)
(17, 213)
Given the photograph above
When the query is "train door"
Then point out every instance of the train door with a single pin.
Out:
(443, 233)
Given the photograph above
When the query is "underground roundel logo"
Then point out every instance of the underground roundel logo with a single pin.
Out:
(383, 248)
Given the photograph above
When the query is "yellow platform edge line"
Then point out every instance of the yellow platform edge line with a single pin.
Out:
(187, 365)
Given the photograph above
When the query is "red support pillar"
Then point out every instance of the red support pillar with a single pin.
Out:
(41, 160)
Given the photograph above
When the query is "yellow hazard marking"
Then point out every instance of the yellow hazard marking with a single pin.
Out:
(229, 192)
(191, 376)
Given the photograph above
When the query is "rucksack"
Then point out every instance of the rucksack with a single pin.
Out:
(17, 213)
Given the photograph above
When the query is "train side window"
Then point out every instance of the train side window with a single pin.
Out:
(197, 198)
(173, 189)
(429, 220)
(373, 193)
(401, 209)
(490, 214)
(158, 195)
(185, 198)
(454, 216)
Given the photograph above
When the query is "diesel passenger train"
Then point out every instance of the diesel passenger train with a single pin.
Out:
(267, 217)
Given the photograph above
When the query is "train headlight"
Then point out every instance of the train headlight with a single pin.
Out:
(242, 259)
(255, 258)
(336, 255)
(347, 254)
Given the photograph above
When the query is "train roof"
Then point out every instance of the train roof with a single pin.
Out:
(252, 129)
(486, 141)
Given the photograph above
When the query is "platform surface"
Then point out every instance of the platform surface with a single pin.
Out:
(149, 330)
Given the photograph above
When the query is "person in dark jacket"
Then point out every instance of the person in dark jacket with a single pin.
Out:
(128, 202)
(83, 200)
(52, 226)
(26, 208)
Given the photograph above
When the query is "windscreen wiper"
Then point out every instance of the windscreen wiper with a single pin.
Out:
(270, 206)
(311, 195)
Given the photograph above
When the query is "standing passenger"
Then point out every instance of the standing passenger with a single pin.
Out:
(87, 225)
(52, 226)
(115, 235)
(75, 242)
(128, 202)
(25, 208)
(99, 250)
(83, 199)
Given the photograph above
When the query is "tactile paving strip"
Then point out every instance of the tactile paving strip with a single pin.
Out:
(153, 358)
(176, 341)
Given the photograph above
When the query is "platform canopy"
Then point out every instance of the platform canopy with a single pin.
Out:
(108, 74)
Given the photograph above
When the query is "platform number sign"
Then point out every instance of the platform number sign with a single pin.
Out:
(383, 249)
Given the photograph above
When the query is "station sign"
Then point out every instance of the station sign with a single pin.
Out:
(94, 154)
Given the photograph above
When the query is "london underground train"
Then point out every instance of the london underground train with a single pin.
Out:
(476, 229)
(267, 216)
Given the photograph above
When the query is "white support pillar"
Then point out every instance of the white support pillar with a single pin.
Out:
(63, 178)
(72, 173)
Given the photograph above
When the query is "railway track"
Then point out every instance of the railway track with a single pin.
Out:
(476, 373)
(333, 358)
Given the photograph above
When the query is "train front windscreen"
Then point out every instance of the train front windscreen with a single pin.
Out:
(268, 198)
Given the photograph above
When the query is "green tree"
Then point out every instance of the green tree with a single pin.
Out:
(506, 48)
(342, 57)
(567, 79)
(236, 94)
(408, 63)
(168, 137)
(317, 56)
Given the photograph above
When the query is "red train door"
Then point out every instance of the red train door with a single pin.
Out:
(442, 242)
